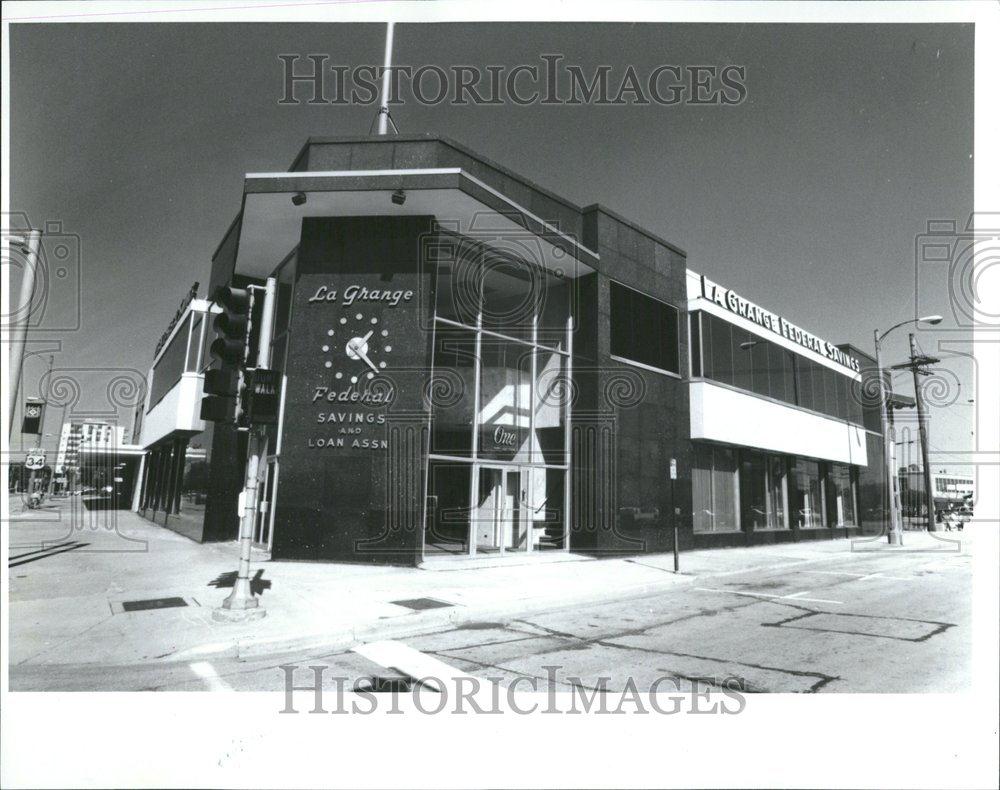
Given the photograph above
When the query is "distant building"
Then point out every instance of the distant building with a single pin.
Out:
(91, 435)
(949, 488)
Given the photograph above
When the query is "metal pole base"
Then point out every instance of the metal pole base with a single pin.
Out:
(895, 539)
(241, 605)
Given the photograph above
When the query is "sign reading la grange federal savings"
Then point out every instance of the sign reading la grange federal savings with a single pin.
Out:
(734, 303)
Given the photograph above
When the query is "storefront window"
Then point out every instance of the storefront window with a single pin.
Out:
(777, 494)
(500, 398)
(504, 416)
(551, 402)
(453, 391)
(753, 491)
(840, 495)
(713, 481)
(546, 508)
(762, 491)
(806, 494)
(448, 489)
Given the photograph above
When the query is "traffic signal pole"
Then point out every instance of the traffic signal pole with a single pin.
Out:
(241, 603)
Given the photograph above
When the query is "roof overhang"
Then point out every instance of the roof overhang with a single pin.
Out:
(459, 202)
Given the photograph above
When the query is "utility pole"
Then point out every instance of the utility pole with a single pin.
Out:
(21, 312)
(916, 361)
(888, 432)
(242, 604)
(888, 440)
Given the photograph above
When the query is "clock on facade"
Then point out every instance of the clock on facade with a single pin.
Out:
(357, 347)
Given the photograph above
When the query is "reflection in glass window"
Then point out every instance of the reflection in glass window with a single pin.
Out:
(743, 343)
(759, 362)
(504, 399)
(753, 490)
(777, 473)
(452, 392)
(840, 493)
(762, 491)
(546, 508)
(721, 342)
(806, 494)
(713, 480)
(551, 401)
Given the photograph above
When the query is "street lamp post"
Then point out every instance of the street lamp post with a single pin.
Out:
(888, 434)
(21, 312)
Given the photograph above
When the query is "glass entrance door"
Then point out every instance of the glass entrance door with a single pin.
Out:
(500, 517)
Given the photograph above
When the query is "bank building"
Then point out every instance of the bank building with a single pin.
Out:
(475, 369)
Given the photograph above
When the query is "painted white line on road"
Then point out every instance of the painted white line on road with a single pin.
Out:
(770, 596)
(865, 576)
(799, 597)
(403, 658)
(734, 592)
(207, 672)
(836, 573)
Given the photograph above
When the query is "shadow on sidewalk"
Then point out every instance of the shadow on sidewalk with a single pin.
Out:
(257, 584)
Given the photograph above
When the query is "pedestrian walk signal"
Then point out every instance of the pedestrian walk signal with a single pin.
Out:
(262, 397)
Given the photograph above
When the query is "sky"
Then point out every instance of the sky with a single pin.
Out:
(807, 198)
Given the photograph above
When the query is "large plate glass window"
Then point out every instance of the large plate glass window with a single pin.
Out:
(643, 329)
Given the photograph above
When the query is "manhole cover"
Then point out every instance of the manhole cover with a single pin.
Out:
(418, 604)
(152, 603)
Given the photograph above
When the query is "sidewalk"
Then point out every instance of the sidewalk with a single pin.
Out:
(68, 585)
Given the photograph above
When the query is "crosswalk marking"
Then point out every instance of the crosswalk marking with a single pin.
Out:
(403, 658)
(207, 672)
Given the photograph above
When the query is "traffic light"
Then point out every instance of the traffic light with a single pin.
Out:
(231, 324)
(223, 383)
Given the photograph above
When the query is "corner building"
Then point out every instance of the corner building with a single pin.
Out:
(476, 368)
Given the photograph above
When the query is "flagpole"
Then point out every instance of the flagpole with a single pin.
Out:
(383, 110)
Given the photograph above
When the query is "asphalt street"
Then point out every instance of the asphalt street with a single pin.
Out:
(860, 622)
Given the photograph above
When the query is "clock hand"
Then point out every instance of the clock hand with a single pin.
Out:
(364, 356)
(365, 338)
